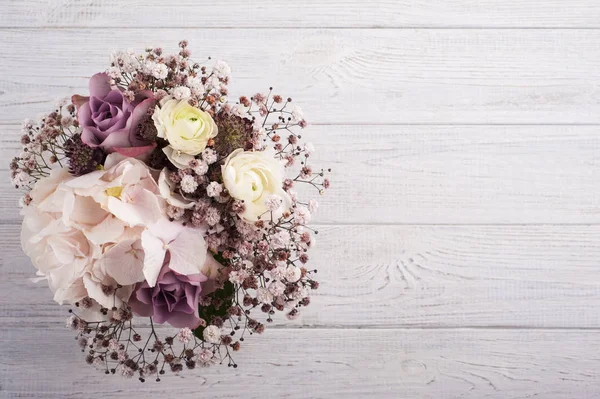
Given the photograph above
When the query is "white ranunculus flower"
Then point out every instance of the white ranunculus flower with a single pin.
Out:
(253, 177)
(185, 127)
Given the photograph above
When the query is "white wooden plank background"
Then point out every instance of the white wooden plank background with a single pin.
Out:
(459, 247)
(349, 76)
(305, 14)
(440, 174)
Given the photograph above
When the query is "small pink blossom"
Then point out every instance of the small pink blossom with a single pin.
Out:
(185, 335)
(238, 276)
(262, 247)
(206, 357)
(306, 172)
(281, 239)
(276, 288)
(301, 215)
(264, 295)
(273, 202)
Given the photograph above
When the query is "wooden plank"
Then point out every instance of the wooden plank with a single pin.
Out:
(438, 174)
(342, 76)
(399, 276)
(44, 363)
(306, 14)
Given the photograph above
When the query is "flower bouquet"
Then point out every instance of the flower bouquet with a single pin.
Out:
(154, 200)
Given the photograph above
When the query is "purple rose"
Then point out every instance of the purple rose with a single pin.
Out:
(174, 298)
(109, 120)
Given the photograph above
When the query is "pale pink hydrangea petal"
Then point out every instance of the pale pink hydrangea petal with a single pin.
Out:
(113, 159)
(136, 207)
(211, 267)
(45, 187)
(165, 230)
(124, 262)
(68, 250)
(188, 252)
(79, 211)
(86, 181)
(154, 256)
(53, 227)
(109, 230)
(74, 292)
(93, 282)
(94, 291)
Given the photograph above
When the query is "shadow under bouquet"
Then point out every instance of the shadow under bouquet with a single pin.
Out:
(154, 200)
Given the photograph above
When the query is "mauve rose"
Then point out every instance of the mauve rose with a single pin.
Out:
(109, 120)
(174, 298)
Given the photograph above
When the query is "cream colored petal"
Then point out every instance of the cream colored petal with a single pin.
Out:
(178, 158)
(46, 186)
(166, 186)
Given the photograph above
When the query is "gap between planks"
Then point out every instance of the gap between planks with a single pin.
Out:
(329, 327)
(18, 221)
(332, 27)
(408, 124)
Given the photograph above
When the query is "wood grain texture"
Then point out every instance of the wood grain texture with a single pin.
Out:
(342, 76)
(438, 174)
(399, 276)
(305, 14)
(464, 363)
(458, 247)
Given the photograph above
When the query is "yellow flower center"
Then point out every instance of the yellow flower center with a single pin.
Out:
(114, 191)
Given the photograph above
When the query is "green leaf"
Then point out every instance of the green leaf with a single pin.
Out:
(225, 294)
